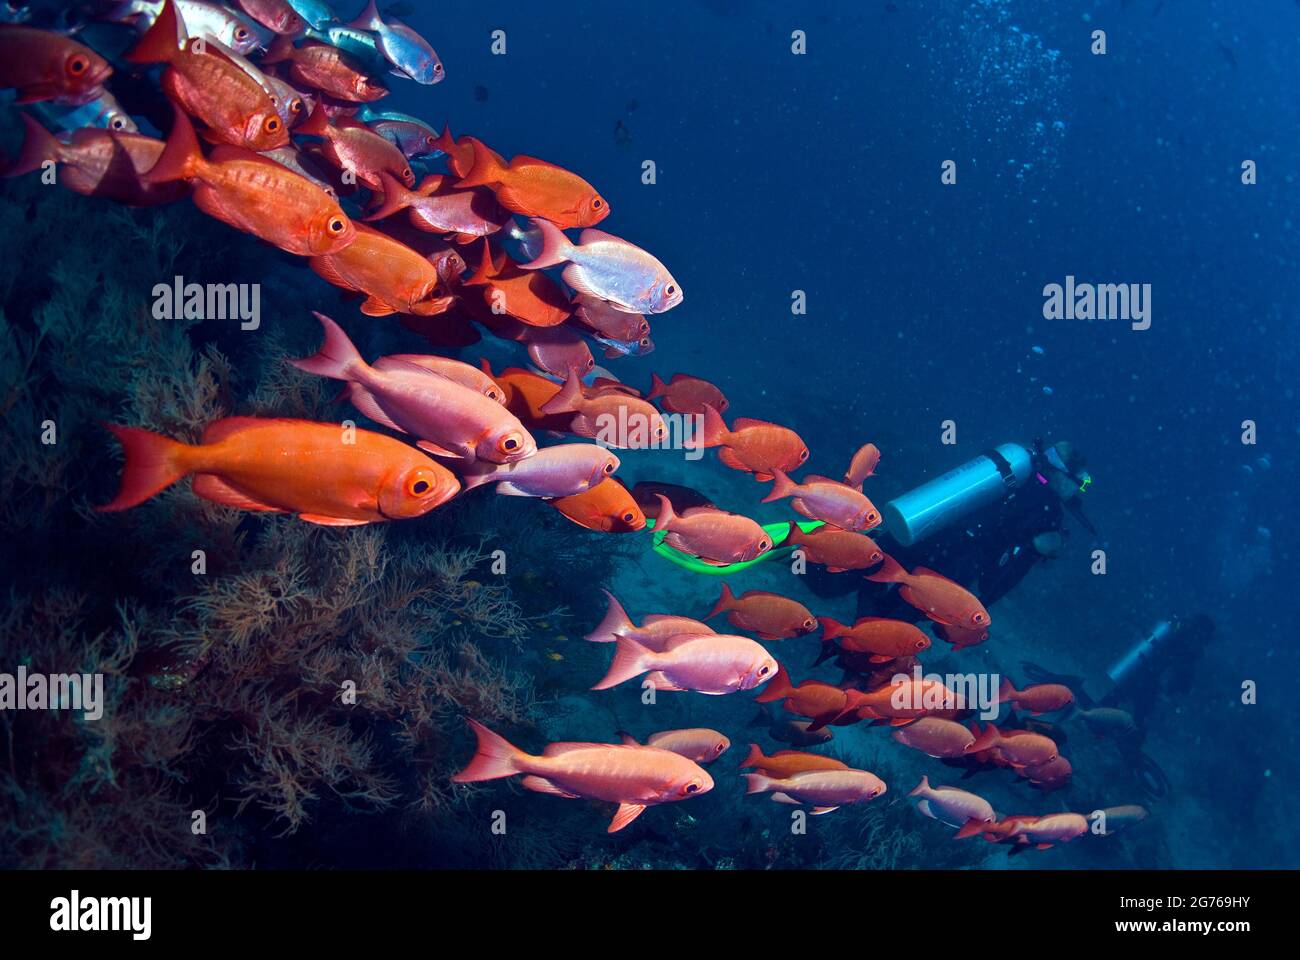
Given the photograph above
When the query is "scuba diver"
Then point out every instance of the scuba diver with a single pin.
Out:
(984, 525)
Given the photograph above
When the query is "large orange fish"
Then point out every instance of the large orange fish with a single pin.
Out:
(1020, 748)
(394, 278)
(634, 777)
(99, 163)
(460, 153)
(527, 295)
(325, 68)
(536, 188)
(822, 703)
(233, 106)
(838, 550)
(939, 598)
(1037, 699)
(44, 65)
(862, 465)
(525, 395)
(882, 638)
(820, 498)
(606, 508)
(686, 394)
(254, 194)
(904, 699)
(783, 763)
(355, 148)
(321, 471)
(769, 615)
(753, 446)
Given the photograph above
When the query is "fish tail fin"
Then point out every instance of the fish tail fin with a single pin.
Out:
(162, 41)
(487, 268)
(568, 399)
(725, 602)
(395, 197)
(39, 148)
(778, 688)
(890, 572)
(626, 738)
(613, 625)
(666, 516)
(828, 650)
(715, 428)
(368, 19)
(985, 740)
(782, 486)
(317, 123)
(445, 141)
(922, 787)
(556, 247)
(337, 358)
(486, 168)
(657, 387)
(281, 49)
(832, 628)
(1006, 691)
(757, 783)
(970, 828)
(496, 757)
(630, 660)
(181, 157)
(152, 464)
(755, 757)
(478, 473)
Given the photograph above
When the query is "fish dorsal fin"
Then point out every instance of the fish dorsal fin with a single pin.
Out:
(592, 235)
(211, 487)
(818, 478)
(744, 423)
(365, 401)
(428, 446)
(927, 572)
(627, 812)
(406, 363)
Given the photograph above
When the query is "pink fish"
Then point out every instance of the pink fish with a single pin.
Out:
(823, 790)
(712, 663)
(862, 465)
(437, 206)
(614, 418)
(819, 498)
(713, 535)
(463, 373)
(608, 320)
(697, 743)
(452, 420)
(608, 268)
(655, 630)
(634, 777)
(950, 805)
(559, 471)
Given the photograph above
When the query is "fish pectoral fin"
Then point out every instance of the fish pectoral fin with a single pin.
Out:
(211, 487)
(627, 812)
(784, 798)
(818, 811)
(661, 682)
(428, 446)
(365, 401)
(542, 785)
(508, 489)
(375, 307)
(325, 521)
(325, 269)
(729, 459)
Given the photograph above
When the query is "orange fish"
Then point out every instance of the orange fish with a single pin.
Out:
(862, 465)
(606, 508)
(525, 395)
(394, 277)
(460, 153)
(960, 638)
(614, 418)
(288, 466)
(44, 65)
(634, 777)
(99, 163)
(1038, 699)
(325, 68)
(883, 638)
(686, 394)
(529, 296)
(822, 703)
(608, 321)
(903, 700)
(819, 498)
(1051, 775)
(838, 550)
(254, 194)
(754, 446)
(1020, 748)
(355, 148)
(783, 763)
(936, 737)
(536, 188)
(206, 83)
(770, 615)
(939, 598)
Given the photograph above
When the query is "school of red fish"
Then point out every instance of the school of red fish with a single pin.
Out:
(281, 94)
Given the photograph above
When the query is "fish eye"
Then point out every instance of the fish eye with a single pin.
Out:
(763, 545)
(419, 486)
(645, 327)
(336, 225)
(628, 518)
(78, 65)
(693, 787)
(609, 466)
(407, 174)
(763, 670)
(670, 289)
(920, 644)
(295, 105)
(809, 624)
(877, 557)
(430, 141)
(241, 33)
(978, 618)
(117, 123)
(872, 516)
(645, 341)
(271, 125)
(597, 203)
(803, 455)
(509, 443)
(719, 748)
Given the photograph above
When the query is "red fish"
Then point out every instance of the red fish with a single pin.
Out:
(770, 615)
(44, 65)
(276, 15)
(686, 394)
(939, 598)
(209, 85)
(754, 446)
(394, 278)
(615, 419)
(819, 498)
(460, 153)
(254, 194)
(1020, 748)
(525, 395)
(327, 69)
(608, 321)
(536, 188)
(99, 163)
(883, 638)
(634, 777)
(823, 703)
(1038, 699)
(862, 465)
(288, 466)
(526, 295)
(936, 737)
(838, 550)
(355, 148)
(606, 508)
